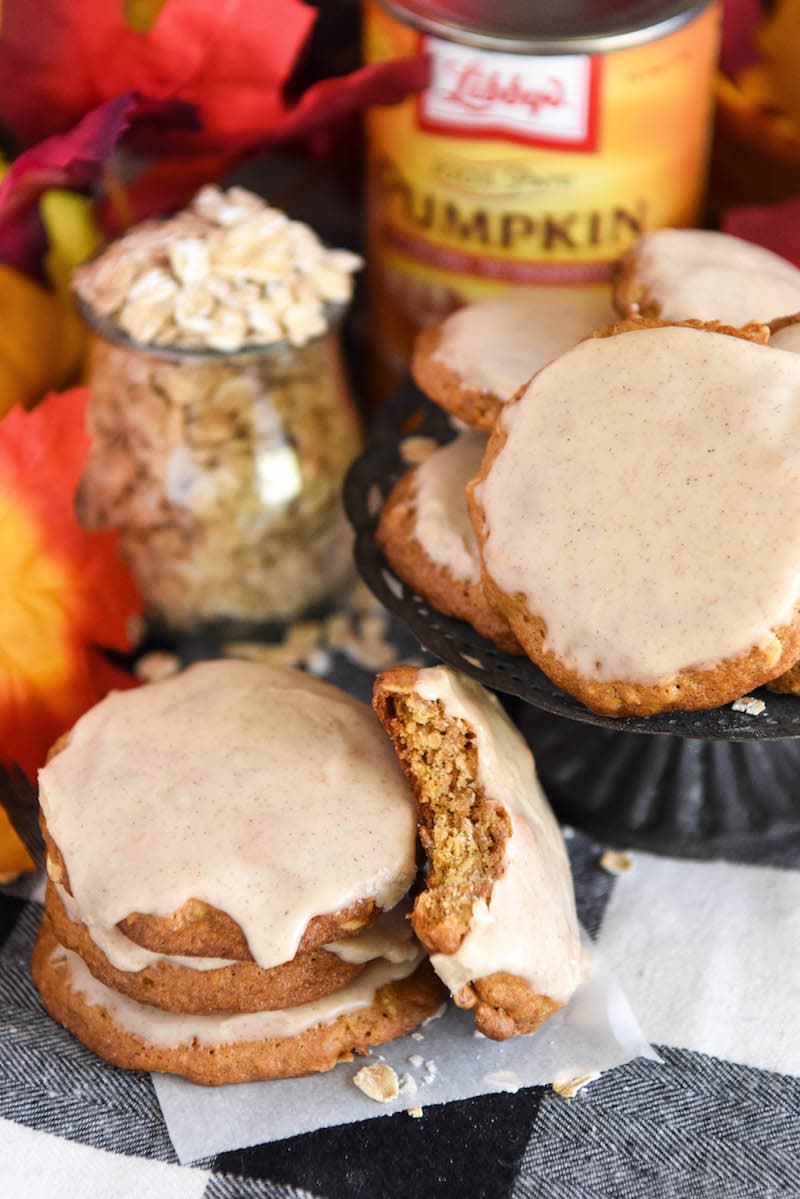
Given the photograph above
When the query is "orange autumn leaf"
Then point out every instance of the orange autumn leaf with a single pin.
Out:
(66, 592)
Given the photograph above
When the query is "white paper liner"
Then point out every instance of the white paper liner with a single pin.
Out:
(596, 1031)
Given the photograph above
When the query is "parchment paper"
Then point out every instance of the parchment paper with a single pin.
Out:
(445, 1060)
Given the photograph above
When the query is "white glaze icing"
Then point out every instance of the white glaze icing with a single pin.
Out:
(787, 338)
(390, 937)
(119, 948)
(261, 791)
(703, 275)
(528, 927)
(442, 525)
(169, 1031)
(496, 344)
(646, 502)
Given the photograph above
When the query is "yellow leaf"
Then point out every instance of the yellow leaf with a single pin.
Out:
(13, 854)
(41, 340)
(142, 15)
(72, 234)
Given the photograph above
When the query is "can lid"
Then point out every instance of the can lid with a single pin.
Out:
(543, 27)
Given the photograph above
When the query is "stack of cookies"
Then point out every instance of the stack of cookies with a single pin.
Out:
(230, 853)
(227, 851)
(630, 524)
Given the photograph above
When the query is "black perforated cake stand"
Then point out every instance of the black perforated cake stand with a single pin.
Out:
(704, 784)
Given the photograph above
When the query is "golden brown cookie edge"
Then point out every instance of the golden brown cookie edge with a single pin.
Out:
(238, 988)
(397, 1009)
(437, 584)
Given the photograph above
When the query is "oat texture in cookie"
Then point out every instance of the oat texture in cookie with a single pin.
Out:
(498, 909)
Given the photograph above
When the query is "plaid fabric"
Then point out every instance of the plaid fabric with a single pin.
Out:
(697, 1126)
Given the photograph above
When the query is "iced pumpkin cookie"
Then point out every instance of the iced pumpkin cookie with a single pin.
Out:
(236, 811)
(426, 535)
(385, 1001)
(697, 274)
(212, 985)
(610, 512)
(498, 910)
(475, 359)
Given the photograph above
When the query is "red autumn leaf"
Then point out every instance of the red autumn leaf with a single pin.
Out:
(76, 158)
(65, 591)
(331, 99)
(774, 226)
(231, 58)
(740, 20)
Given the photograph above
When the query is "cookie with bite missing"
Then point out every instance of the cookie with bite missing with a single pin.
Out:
(474, 360)
(699, 274)
(385, 1001)
(635, 457)
(498, 911)
(425, 533)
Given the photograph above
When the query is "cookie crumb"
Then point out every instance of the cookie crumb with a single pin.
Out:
(408, 1085)
(431, 1071)
(153, 667)
(416, 1060)
(568, 1088)
(750, 705)
(415, 1113)
(616, 861)
(378, 1081)
(417, 1036)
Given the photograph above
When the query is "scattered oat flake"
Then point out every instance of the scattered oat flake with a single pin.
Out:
(415, 1113)
(378, 1081)
(156, 665)
(416, 1060)
(504, 1080)
(417, 1036)
(408, 1085)
(750, 705)
(568, 1088)
(414, 450)
(616, 861)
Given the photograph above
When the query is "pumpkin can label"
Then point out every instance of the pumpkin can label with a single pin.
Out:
(516, 168)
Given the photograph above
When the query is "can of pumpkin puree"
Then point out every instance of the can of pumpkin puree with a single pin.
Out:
(548, 138)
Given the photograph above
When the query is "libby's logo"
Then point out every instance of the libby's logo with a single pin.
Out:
(547, 100)
(479, 90)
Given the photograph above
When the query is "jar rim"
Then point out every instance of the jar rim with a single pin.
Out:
(106, 328)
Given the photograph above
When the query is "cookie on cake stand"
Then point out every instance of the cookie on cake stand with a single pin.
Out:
(718, 782)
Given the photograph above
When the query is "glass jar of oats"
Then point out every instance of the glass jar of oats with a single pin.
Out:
(220, 460)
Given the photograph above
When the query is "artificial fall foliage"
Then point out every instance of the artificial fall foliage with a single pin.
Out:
(66, 592)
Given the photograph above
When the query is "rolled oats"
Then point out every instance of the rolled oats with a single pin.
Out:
(222, 475)
(227, 272)
(222, 469)
(378, 1081)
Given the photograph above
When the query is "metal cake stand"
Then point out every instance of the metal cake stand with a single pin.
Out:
(701, 784)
